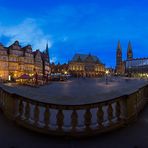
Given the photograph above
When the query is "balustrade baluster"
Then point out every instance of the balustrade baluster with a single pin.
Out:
(47, 117)
(2, 98)
(0, 95)
(118, 110)
(21, 106)
(87, 120)
(140, 94)
(3, 95)
(1, 102)
(60, 119)
(36, 114)
(27, 111)
(110, 113)
(100, 116)
(74, 120)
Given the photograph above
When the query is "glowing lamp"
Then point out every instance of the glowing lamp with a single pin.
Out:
(9, 78)
(107, 72)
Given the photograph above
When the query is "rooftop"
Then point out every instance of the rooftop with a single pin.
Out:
(85, 57)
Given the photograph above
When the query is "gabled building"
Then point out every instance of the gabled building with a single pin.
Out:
(27, 60)
(16, 61)
(38, 62)
(4, 72)
(59, 68)
(83, 65)
(15, 55)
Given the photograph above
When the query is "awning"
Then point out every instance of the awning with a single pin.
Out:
(24, 76)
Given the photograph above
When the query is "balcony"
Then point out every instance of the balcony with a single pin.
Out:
(75, 121)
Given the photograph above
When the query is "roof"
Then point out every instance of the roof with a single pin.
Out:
(2, 47)
(15, 44)
(129, 47)
(84, 57)
(119, 46)
(145, 58)
(44, 57)
(36, 52)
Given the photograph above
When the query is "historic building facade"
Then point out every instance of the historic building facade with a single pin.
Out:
(137, 67)
(16, 61)
(38, 63)
(59, 68)
(3, 62)
(83, 65)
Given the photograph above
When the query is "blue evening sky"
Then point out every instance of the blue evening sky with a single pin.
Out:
(76, 26)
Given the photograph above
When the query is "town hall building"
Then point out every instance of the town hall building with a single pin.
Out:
(83, 65)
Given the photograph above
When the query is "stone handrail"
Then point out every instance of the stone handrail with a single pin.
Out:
(73, 120)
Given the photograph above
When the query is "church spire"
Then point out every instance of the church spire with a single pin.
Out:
(129, 45)
(47, 51)
(129, 51)
(119, 46)
(119, 53)
(118, 57)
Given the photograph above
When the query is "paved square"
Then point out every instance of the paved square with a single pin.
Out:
(79, 90)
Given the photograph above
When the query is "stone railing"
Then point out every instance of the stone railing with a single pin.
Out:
(73, 120)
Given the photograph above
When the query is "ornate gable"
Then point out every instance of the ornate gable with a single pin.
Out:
(15, 46)
(79, 59)
(89, 59)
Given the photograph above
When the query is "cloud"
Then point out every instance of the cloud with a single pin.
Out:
(27, 32)
(77, 27)
(53, 59)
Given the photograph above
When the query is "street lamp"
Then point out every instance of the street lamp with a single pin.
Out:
(106, 72)
(9, 78)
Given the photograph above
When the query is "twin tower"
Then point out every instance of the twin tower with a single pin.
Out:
(119, 62)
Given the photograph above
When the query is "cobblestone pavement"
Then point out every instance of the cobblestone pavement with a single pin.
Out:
(79, 91)
(134, 135)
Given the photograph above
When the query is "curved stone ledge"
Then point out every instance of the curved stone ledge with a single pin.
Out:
(75, 92)
(73, 120)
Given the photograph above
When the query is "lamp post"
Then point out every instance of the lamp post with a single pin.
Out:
(106, 72)
(65, 72)
(9, 78)
(47, 77)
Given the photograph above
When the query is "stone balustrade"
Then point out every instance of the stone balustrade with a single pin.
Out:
(73, 120)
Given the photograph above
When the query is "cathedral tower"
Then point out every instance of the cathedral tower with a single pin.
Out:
(129, 51)
(118, 55)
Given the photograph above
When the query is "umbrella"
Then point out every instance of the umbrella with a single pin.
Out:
(24, 76)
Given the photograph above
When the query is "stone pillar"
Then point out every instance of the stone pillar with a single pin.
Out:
(10, 106)
(130, 111)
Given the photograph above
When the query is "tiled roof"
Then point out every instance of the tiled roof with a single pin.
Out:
(2, 47)
(83, 57)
